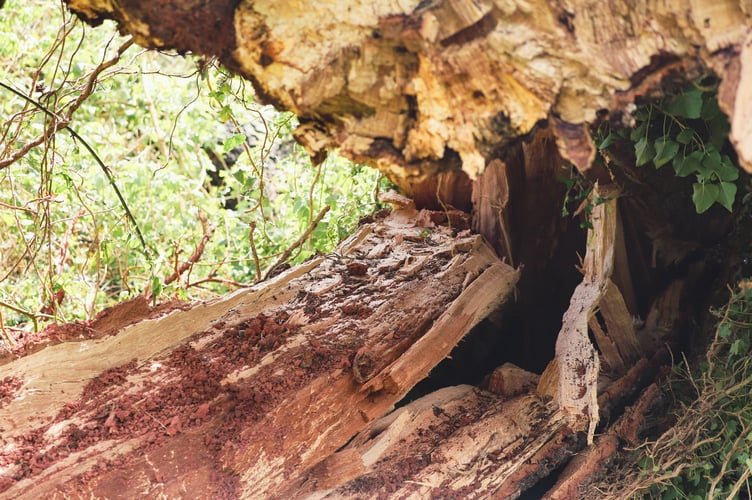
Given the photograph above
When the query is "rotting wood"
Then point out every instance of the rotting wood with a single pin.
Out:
(741, 112)
(491, 202)
(418, 88)
(250, 390)
(577, 361)
(584, 467)
(618, 343)
(456, 441)
(663, 319)
(390, 82)
(509, 380)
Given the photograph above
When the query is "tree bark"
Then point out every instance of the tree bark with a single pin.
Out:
(240, 396)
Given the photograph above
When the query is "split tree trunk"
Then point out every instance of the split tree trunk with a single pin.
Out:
(256, 394)
(247, 393)
(435, 94)
(420, 88)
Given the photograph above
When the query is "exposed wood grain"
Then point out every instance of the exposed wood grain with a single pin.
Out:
(577, 359)
(246, 392)
(436, 447)
(417, 88)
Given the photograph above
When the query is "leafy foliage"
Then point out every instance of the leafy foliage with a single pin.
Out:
(69, 246)
(577, 198)
(688, 131)
(708, 452)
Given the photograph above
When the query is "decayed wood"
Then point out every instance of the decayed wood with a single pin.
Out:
(491, 202)
(457, 441)
(586, 466)
(416, 88)
(577, 361)
(509, 380)
(664, 318)
(741, 110)
(617, 341)
(574, 373)
(240, 395)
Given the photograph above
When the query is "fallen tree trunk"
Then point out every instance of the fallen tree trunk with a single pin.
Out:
(248, 392)
(254, 394)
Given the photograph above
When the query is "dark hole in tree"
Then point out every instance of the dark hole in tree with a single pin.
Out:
(524, 331)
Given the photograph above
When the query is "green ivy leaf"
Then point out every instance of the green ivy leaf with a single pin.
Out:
(724, 330)
(719, 131)
(639, 132)
(710, 109)
(606, 142)
(687, 105)
(704, 194)
(642, 114)
(737, 347)
(727, 171)
(688, 165)
(644, 151)
(685, 136)
(665, 151)
(233, 142)
(711, 163)
(225, 113)
(727, 195)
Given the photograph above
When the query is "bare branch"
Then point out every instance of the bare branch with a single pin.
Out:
(208, 232)
(303, 237)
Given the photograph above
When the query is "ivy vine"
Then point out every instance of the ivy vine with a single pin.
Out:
(689, 131)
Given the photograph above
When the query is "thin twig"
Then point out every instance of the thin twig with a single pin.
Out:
(208, 232)
(222, 281)
(256, 261)
(28, 314)
(63, 123)
(303, 237)
(310, 200)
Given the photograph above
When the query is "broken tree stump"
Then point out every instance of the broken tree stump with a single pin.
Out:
(239, 396)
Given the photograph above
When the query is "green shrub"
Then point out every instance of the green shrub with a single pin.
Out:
(149, 118)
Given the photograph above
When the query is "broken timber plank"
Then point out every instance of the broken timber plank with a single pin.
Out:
(618, 342)
(239, 396)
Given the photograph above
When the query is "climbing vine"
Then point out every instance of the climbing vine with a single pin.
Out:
(688, 131)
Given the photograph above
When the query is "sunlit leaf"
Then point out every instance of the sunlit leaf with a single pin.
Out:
(233, 141)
